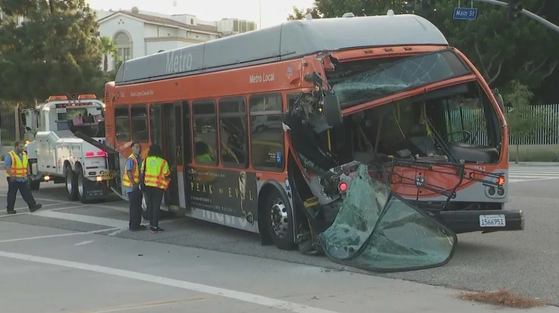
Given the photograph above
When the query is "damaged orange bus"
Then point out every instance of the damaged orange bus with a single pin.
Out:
(267, 130)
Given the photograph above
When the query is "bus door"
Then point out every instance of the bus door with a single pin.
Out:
(172, 148)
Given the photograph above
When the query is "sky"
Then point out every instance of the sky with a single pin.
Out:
(273, 11)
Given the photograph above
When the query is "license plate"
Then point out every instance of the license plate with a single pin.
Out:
(497, 220)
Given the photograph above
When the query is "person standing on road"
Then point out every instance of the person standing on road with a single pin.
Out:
(155, 171)
(131, 180)
(16, 164)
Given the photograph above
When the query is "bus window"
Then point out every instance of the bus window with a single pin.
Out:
(140, 131)
(155, 125)
(233, 132)
(205, 135)
(267, 132)
(122, 124)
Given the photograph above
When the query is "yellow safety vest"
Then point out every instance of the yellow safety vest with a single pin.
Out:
(154, 170)
(19, 167)
(135, 173)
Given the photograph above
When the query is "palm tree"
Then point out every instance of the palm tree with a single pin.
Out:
(107, 48)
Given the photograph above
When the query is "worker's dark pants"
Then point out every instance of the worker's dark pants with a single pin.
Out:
(154, 196)
(135, 198)
(13, 187)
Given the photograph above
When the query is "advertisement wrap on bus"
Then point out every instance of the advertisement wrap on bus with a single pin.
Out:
(375, 148)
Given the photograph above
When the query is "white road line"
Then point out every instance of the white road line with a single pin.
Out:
(116, 208)
(30, 213)
(227, 293)
(44, 206)
(83, 218)
(57, 235)
(83, 243)
(116, 232)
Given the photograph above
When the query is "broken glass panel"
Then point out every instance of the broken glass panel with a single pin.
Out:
(360, 81)
(376, 230)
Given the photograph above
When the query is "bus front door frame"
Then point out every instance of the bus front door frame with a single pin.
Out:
(172, 147)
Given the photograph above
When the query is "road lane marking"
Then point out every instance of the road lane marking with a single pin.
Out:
(138, 306)
(116, 208)
(44, 206)
(109, 222)
(83, 243)
(33, 213)
(58, 235)
(186, 285)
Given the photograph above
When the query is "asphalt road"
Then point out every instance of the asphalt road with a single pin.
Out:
(526, 262)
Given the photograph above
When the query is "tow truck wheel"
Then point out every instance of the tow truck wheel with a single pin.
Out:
(82, 186)
(279, 220)
(71, 184)
(32, 184)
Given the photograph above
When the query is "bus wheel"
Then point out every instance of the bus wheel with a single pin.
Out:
(280, 221)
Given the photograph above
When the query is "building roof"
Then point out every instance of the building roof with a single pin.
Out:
(164, 21)
(292, 39)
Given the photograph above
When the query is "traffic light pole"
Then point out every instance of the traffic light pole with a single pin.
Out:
(531, 15)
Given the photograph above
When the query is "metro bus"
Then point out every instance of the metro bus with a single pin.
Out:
(258, 126)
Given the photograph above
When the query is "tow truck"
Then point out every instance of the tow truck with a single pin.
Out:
(55, 152)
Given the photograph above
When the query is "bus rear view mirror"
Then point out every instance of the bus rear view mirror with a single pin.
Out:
(332, 110)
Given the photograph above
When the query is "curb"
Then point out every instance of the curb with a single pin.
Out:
(547, 164)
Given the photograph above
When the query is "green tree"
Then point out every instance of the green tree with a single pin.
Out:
(299, 14)
(55, 51)
(108, 48)
(523, 120)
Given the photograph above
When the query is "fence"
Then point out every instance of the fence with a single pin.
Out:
(546, 134)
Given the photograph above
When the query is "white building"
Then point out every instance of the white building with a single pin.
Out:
(139, 33)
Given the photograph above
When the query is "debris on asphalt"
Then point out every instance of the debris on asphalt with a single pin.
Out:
(502, 297)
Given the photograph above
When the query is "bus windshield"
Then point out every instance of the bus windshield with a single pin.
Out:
(363, 81)
(456, 123)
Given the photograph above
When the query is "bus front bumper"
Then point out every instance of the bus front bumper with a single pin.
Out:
(485, 221)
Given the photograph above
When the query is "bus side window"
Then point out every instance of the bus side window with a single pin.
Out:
(267, 138)
(205, 134)
(233, 132)
(140, 130)
(122, 124)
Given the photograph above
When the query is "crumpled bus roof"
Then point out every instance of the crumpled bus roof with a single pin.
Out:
(292, 39)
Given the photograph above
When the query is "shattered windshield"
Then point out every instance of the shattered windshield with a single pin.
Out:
(375, 230)
(361, 81)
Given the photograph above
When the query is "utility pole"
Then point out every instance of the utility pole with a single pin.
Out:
(515, 8)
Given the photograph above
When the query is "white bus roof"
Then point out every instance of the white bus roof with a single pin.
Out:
(292, 39)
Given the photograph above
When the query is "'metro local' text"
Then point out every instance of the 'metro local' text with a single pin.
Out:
(254, 79)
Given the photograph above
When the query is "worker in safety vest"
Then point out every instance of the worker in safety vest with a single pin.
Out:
(131, 181)
(155, 171)
(16, 164)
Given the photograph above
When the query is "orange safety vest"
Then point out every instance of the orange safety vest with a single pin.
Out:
(154, 170)
(19, 166)
(135, 173)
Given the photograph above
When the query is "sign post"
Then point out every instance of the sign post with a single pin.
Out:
(468, 14)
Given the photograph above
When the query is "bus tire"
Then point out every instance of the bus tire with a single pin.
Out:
(279, 220)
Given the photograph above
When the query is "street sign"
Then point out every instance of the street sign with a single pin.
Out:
(468, 14)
